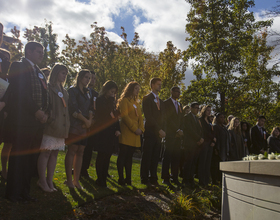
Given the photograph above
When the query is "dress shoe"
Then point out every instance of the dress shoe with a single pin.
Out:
(127, 181)
(154, 183)
(100, 184)
(121, 182)
(43, 188)
(146, 182)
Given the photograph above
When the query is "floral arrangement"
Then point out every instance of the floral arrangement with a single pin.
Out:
(272, 156)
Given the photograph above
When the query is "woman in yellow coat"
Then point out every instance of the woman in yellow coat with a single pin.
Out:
(132, 127)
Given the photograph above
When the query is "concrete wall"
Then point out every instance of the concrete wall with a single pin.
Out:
(251, 190)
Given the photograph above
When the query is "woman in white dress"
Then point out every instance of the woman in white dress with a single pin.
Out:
(57, 128)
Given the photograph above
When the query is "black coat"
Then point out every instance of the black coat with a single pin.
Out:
(208, 131)
(192, 131)
(173, 120)
(79, 102)
(259, 141)
(222, 142)
(105, 126)
(154, 117)
(21, 106)
(273, 144)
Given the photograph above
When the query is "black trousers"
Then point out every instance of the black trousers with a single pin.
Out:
(191, 158)
(87, 155)
(125, 161)
(23, 161)
(171, 158)
(102, 166)
(150, 158)
(204, 163)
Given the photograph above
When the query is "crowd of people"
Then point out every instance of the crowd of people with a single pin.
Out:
(39, 117)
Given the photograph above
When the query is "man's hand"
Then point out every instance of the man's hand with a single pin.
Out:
(200, 141)
(41, 116)
(138, 131)
(180, 132)
(161, 133)
(117, 133)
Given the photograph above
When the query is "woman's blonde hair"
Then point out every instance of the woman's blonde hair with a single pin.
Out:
(231, 125)
(54, 73)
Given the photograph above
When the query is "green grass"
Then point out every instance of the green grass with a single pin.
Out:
(65, 203)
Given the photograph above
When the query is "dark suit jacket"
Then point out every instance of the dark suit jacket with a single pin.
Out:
(192, 131)
(21, 106)
(173, 120)
(105, 126)
(258, 140)
(154, 117)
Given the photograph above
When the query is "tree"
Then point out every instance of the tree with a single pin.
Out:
(218, 32)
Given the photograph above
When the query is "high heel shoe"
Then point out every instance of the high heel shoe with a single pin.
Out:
(43, 188)
(69, 185)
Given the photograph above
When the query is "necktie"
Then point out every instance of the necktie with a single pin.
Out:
(158, 104)
(176, 106)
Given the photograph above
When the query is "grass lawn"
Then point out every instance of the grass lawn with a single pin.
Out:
(65, 201)
(69, 203)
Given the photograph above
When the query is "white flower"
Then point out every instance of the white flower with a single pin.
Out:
(271, 156)
(255, 157)
(278, 157)
(261, 157)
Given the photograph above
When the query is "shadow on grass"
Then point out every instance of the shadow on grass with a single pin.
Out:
(49, 206)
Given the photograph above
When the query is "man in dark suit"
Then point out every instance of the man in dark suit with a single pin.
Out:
(91, 139)
(28, 104)
(193, 137)
(258, 137)
(174, 132)
(154, 132)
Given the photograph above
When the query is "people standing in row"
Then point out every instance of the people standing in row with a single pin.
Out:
(132, 127)
(273, 140)
(154, 132)
(193, 136)
(28, 113)
(56, 129)
(80, 110)
(258, 137)
(174, 133)
(91, 136)
(204, 161)
(107, 129)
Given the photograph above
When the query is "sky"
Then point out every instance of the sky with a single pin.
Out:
(156, 21)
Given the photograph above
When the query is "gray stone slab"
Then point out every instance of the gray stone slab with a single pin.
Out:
(235, 166)
(265, 167)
